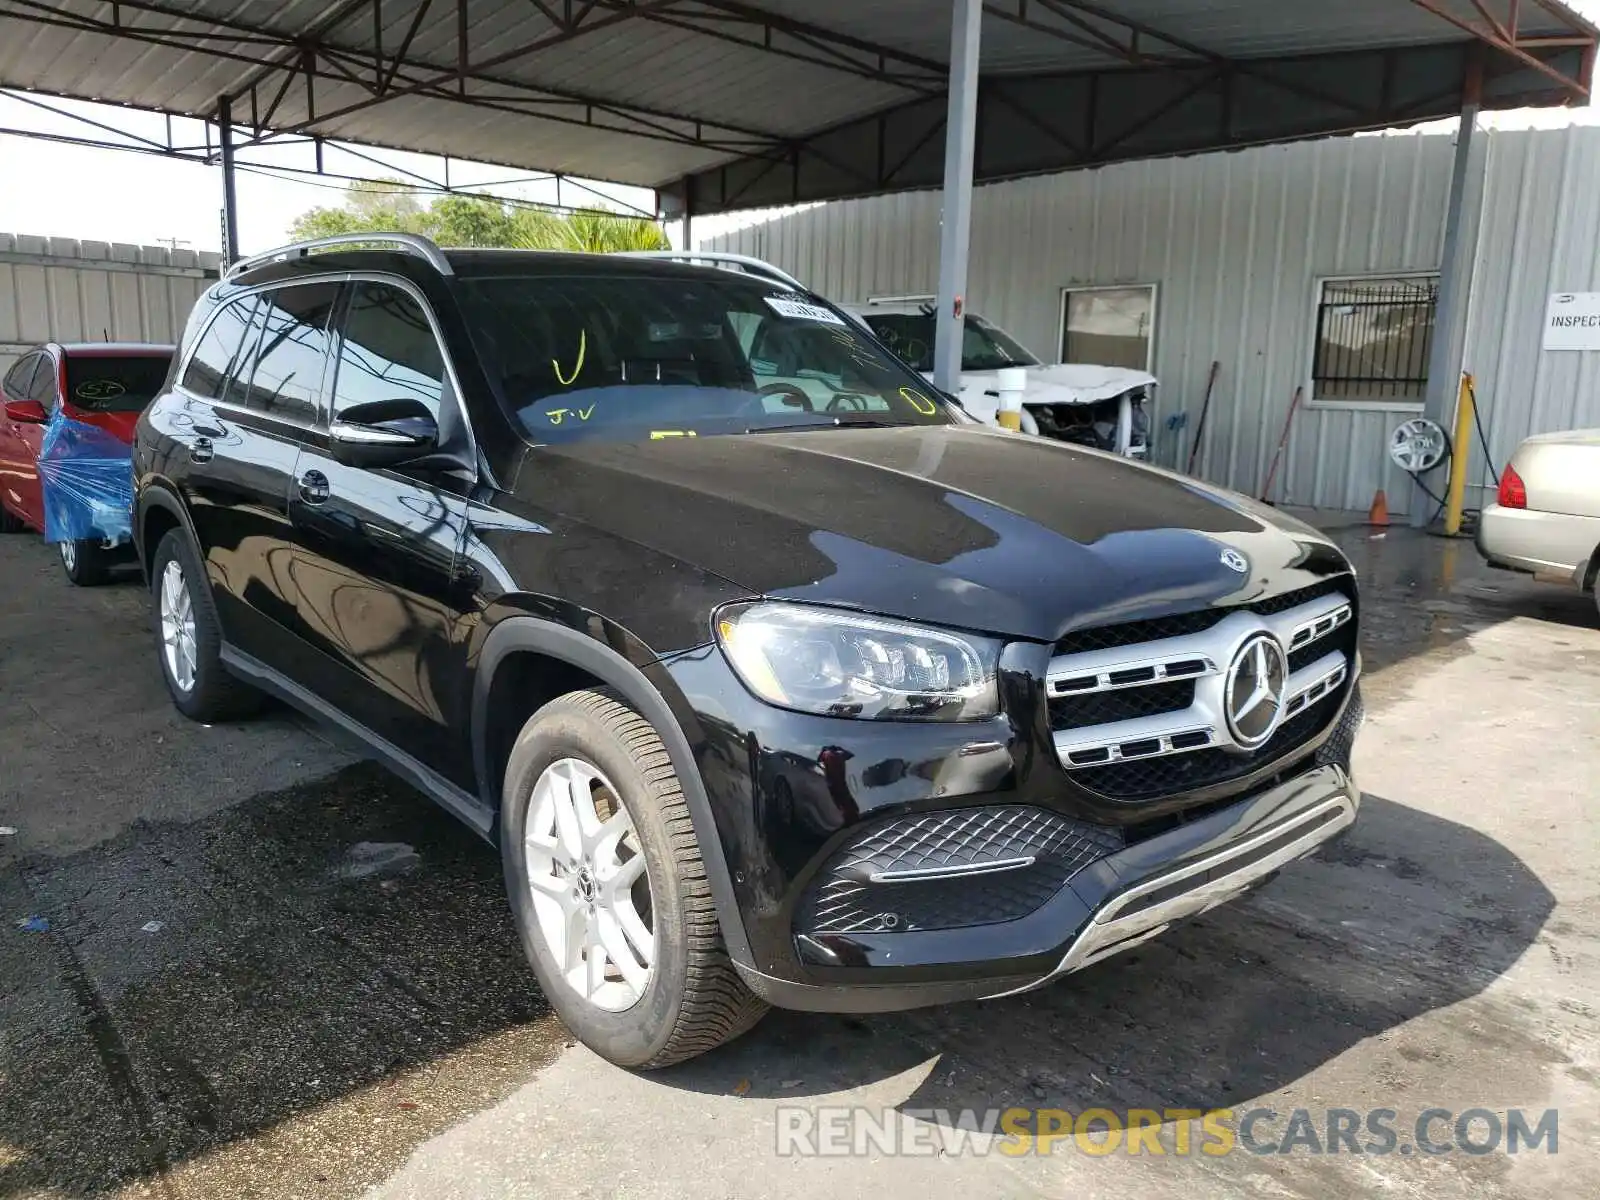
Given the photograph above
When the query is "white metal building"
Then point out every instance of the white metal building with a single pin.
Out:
(65, 290)
(1235, 257)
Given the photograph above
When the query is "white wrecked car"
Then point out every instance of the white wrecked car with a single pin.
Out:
(1103, 407)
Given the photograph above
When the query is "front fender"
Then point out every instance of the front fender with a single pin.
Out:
(645, 689)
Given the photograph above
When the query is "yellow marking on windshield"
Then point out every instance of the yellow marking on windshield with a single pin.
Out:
(657, 434)
(583, 346)
(919, 402)
(558, 415)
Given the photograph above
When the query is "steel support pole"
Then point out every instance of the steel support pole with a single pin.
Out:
(961, 126)
(230, 203)
(1444, 378)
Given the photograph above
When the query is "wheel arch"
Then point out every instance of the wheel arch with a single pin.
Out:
(158, 510)
(579, 652)
(1590, 571)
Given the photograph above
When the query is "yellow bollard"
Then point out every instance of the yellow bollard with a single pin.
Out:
(1455, 498)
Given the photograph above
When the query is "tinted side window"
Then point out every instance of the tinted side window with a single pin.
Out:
(20, 376)
(219, 353)
(288, 372)
(388, 351)
(43, 387)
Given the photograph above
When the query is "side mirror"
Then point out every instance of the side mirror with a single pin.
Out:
(26, 412)
(384, 433)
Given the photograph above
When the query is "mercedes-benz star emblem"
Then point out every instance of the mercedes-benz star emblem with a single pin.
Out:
(1235, 561)
(1255, 686)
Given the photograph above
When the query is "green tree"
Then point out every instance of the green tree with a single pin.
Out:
(471, 221)
(380, 205)
(387, 206)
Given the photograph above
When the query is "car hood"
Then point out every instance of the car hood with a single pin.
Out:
(959, 526)
(1066, 383)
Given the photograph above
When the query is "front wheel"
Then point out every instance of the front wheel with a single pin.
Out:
(609, 889)
(84, 562)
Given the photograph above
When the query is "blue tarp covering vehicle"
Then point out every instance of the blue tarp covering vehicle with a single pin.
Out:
(86, 476)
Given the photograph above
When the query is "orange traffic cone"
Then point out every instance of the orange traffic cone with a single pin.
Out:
(1378, 514)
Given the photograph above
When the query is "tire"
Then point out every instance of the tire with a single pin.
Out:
(10, 522)
(205, 692)
(85, 563)
(692, 1000)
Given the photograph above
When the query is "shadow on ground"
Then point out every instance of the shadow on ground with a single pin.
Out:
(1406, 915)
(275, 984)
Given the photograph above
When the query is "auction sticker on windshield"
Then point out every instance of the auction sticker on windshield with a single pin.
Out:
(802, 311)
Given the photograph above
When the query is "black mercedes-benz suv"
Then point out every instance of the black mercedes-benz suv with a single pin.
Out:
(774, 679)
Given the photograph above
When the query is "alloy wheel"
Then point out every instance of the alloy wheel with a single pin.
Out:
(69, 556)
(177, 626)
(590, 889)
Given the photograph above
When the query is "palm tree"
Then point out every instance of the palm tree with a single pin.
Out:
(588, 231)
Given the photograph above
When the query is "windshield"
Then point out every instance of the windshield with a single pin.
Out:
(984, 347)
(630, 357)
(107, 383)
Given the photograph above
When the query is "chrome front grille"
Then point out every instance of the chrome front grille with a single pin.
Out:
(1122, 703)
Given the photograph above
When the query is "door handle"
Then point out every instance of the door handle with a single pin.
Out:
(313, 487)
(201, 450)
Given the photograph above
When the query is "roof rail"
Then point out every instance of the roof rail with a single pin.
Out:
(409, 243)
(717, 258)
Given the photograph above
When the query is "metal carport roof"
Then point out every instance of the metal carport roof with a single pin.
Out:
(739, 103)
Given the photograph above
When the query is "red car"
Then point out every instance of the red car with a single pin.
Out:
(106, 384)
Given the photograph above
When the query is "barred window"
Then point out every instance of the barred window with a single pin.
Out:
(1373, 338)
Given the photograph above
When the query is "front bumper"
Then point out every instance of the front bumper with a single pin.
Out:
(1115, 903)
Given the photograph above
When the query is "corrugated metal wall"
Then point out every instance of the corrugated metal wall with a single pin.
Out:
(1236, 244)
(65, 290)
(1540, 234)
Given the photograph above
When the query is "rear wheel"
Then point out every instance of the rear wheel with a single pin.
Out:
(84, 562)
(189, 638)
(609, 889)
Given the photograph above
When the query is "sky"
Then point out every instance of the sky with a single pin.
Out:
(119, 196)
(115, 196)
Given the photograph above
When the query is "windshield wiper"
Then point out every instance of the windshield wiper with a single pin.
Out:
(835, 421)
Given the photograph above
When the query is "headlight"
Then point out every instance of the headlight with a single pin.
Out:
(831, 662)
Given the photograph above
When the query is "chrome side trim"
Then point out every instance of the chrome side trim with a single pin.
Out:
(368, 435)
(961, 871)
(1108, 932)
